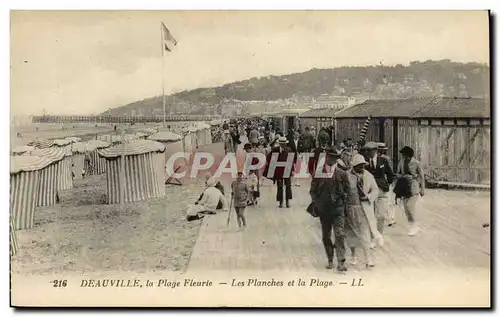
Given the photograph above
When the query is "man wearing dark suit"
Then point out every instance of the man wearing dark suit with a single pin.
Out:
(313, 162)
(382, 171)
(329, 192)
(281, 178)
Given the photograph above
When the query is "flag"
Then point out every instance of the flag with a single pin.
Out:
(168, 39)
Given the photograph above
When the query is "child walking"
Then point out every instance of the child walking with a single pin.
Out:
(253, 188)
(240, 194)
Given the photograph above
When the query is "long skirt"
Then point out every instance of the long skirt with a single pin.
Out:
(357, 229)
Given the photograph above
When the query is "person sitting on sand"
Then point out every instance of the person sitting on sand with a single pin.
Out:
(219, 186)
(208, 203)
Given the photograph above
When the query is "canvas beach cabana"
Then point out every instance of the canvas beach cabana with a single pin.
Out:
(94, 164)
(172, 142)
(24, 188)
(143, 177)
(78, 159)
(65, 179)
(49, 176)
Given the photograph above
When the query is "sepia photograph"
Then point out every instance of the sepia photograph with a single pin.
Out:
(250, 159)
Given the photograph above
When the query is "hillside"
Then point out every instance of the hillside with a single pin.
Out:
(418, 79)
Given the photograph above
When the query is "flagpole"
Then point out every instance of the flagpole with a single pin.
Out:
(163, 74)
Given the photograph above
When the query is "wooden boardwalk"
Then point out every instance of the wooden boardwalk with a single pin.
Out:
(452, 236)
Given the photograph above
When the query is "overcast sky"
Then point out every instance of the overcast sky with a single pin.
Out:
(87, 62)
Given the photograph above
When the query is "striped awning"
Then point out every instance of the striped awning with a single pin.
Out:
(135, 147)
(41, 144)
(165, 136)
(66, 149)
(28, 163)
(21, 149)
(53, 153)
(61, 142)
(73, 139)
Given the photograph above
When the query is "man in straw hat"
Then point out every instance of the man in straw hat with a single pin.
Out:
(381, 170)
(359, 210)
(329, 190)
(282, 171)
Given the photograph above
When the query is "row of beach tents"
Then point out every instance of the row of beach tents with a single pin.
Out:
(42, 169)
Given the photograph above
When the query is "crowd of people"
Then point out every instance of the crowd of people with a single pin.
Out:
(354, 201)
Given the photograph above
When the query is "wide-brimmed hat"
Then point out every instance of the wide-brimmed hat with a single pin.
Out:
(408, 151)
(211, 182)
(282, 139)
(358, 159)
(371, 145)
(382, 146)
(226, 131)
(332, 151)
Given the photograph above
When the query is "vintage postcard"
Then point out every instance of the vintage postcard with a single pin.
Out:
(250, 159)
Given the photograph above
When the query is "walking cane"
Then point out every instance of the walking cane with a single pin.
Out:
(229, 212)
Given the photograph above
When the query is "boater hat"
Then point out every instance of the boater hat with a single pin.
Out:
(382, 146)
(283, 140)
(371, 145)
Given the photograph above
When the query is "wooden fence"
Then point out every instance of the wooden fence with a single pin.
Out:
(448, 149)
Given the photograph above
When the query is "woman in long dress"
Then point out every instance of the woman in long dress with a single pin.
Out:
(364, 191)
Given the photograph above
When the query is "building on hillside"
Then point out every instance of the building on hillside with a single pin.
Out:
(450, 136)
(288, 118)
(332, 102)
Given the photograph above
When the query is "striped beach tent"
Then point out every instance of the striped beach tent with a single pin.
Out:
(144, 170)
(20, 150)
(24, 188)
(13, 239)
(78, 159)
(172, 142)
(41, 144)
(94, 164)
(65, 179)
(49, 176)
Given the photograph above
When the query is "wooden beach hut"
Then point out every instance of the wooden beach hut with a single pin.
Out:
(24, 188)
(49, 176)
(317, 118)
(143, 178)
(450, 136)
